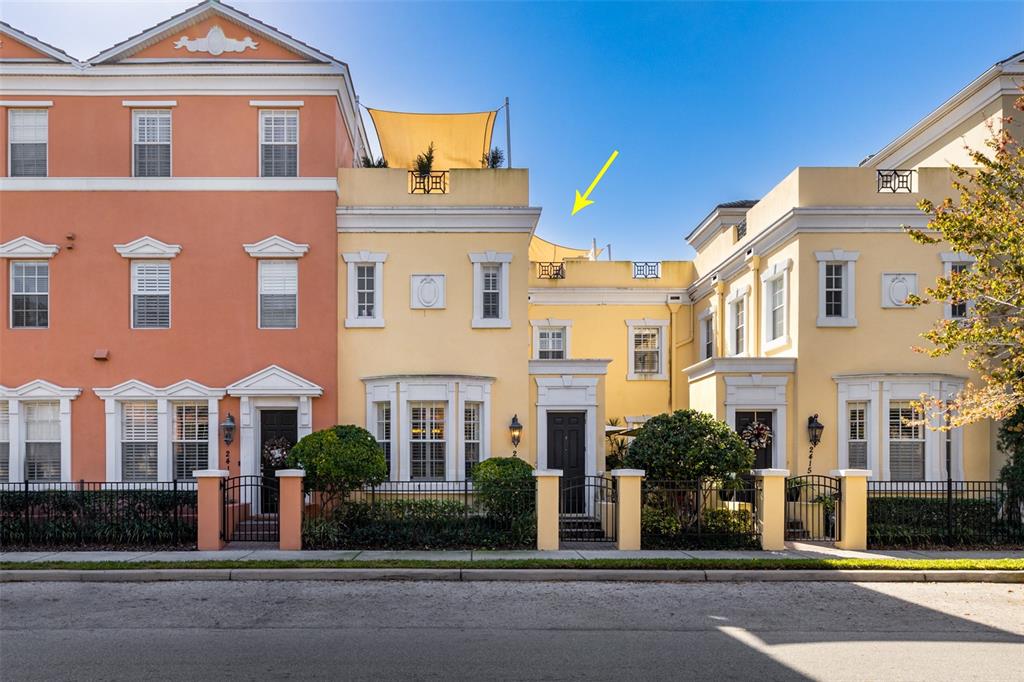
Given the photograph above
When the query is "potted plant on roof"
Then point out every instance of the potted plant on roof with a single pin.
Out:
(425, 162)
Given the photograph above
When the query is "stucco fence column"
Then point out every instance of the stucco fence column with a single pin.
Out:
(853, 508)
(771, 507)
(548, 484)
(290, 507)
(627, 511)
(210, 509)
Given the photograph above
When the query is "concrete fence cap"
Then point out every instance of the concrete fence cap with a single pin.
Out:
(770, 473)
(628, 472)
(290, 473)
(557, 473)
(850, 473)
(210, 473)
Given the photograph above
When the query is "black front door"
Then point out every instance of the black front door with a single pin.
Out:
(566, 451)
(762, 456)
(279, 431)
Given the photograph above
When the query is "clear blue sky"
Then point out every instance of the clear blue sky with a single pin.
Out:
(706, 102)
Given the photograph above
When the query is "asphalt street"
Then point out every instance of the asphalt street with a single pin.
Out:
(594, 631)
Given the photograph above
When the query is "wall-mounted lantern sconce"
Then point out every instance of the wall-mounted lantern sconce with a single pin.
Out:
(515, 430)
(814, 429)
(227, 427)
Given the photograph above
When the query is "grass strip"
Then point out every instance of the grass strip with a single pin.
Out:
(573, 564)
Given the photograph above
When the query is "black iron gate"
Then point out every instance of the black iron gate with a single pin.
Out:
(250, 509)
(812, 508)
(587, 509)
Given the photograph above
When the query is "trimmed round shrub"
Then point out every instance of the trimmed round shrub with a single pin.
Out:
(339, 459)
(687, 445)
(505, 487)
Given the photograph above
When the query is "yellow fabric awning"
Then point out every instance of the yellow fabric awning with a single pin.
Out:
(460, 140)
(544, 251)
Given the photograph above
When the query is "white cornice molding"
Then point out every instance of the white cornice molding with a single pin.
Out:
(364, 257)
(39, 389)
(490, 257)
(194, 184)
(569, 366)
(437, 219)
(147, 247)
(896, 376)
(837, 255)
(606, 296)
(276, 246)
(146, 103)
(720, 218)
(737, 365)
(276, 103)
(274, 381)
(26, 103)
(26, 247)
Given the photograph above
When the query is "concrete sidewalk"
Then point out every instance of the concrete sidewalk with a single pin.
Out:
(793, 551)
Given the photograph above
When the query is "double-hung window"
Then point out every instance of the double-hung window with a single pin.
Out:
(836, 287)
(551, 343)
(366, 291)
(471, 436)
(30, 294)
(382, 424)
(279, 294)
(647, 350)
(190, 446)
(42, 440)
(776, 309)
(5, 441)
(151, 294)
(151, 143)
(279, 143)
(906, 442)
(427, 441)
(857, 441)
(739, 326)
(707, 337)
(491, 291)
(958, 309)
(139, 438)
(28, 135)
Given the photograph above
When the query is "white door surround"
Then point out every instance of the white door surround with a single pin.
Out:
(758, 392)
(568, 393)
(270, 388)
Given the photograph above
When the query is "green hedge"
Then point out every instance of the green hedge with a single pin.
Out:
(665, 528)
(921, 522)
(419, 524)
(114, 519)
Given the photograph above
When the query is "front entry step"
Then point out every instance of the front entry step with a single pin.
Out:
(582, 528)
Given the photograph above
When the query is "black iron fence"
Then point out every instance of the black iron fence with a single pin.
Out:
(587, 509)
(423, 515)
(934, 513)
(701, 514)
(94, 515)
(250, 508)
(812, 508)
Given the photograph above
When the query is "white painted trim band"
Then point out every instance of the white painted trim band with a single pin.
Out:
(26, 103)
(271, 103)
(146, 103)
(193, 184)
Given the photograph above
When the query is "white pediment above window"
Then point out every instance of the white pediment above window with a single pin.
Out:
(192, 390)
(39, 390)
(131, 389)
(273, 381)
(26, 247)
(276, 247)
(148, 247)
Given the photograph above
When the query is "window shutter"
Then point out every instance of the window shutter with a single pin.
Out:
(151, 295)
(278, 293)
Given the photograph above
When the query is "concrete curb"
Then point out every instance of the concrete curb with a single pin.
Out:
(512, 574)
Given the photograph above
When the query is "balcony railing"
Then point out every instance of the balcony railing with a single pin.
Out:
(434, 182)
(894, 181)
(646, 270)
(555, 270)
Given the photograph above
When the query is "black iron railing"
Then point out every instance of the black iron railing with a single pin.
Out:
(96, 515)
(895, 181)
(706, 513)
(424, 515)
(646, 270)
(552, 270)
(931, 513)
(587, 506)
(812, 508)
(250, 507)
(434, 182)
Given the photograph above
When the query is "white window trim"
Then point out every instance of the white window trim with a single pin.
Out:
(934, 441)
(132, 294)
(134, 390)
(259, 303)
(702, 324)
(354, 259)
(11, 294)
(259, 140)
(276, 247)
(849, 260)
(170, 144)
(850, 391)
(479, 259)
(147, 247)
(43, 106)
(548, 323)
(948, 259)
(28, 249)
(37, 391)
(774, 272)
(737, 295)
(631, 374)
(454, 392)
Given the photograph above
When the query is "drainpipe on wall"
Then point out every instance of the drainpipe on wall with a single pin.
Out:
(755, 307)
(719, 345)
(673, 315)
